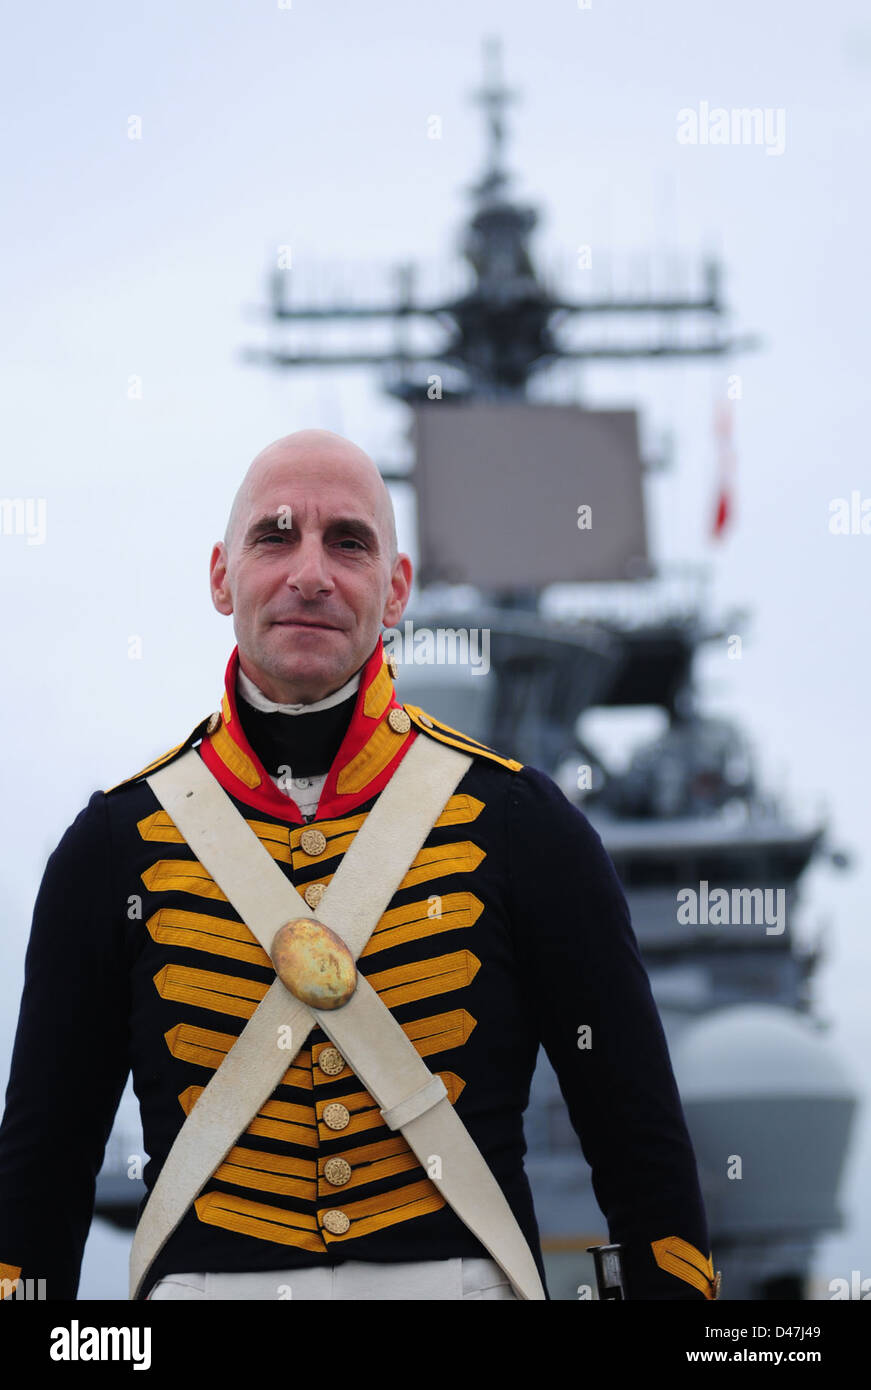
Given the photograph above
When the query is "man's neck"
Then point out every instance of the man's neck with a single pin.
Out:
(296, 743)
(254, 696)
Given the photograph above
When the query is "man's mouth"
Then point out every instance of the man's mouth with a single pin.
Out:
(303, 622)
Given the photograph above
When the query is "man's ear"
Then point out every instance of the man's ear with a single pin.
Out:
(222, 596)
(400, 588)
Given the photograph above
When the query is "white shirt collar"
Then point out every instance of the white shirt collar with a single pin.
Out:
(254, 695)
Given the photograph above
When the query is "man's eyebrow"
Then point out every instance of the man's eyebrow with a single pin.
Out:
(353, 526)
(264, 524)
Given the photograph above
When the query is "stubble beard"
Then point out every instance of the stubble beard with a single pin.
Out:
(310, 675)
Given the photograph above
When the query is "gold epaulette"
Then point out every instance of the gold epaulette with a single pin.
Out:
(428, 724)
(677, 1256)
(192, 738)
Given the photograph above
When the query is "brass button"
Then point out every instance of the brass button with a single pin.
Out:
(314, 893)
(399, 721)
(425, 721)
(312, 841)
(336, 1116)
(214, 722)
(337, 1171)
(336, 1222)
(331, 1061)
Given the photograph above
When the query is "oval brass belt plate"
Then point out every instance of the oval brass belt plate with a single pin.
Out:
(314, 963)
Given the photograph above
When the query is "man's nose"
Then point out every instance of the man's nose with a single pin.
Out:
(309, 571)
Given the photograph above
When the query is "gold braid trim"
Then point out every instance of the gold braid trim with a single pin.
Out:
(678, 1257)
(445, 734)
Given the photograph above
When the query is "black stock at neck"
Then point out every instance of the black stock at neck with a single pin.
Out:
(306, 743)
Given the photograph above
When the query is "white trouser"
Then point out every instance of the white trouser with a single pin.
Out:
(351, 1281)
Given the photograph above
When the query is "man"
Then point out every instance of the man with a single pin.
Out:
(508, 930)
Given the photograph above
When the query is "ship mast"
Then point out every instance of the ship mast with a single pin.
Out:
(507, 328)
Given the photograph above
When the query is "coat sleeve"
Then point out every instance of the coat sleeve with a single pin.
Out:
(69, 1064)
(595, 1015)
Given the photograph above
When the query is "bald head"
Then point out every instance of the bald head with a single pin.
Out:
(310, 448)
(309, 567)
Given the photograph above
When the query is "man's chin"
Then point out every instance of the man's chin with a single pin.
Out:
(309, 672)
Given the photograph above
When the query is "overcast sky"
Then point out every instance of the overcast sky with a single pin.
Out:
(307, 126)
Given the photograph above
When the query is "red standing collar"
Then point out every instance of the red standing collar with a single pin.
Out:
(369, 754)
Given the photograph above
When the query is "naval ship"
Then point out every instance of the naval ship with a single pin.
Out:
(538, 614)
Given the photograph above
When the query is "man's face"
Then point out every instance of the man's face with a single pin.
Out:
(309, 577)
